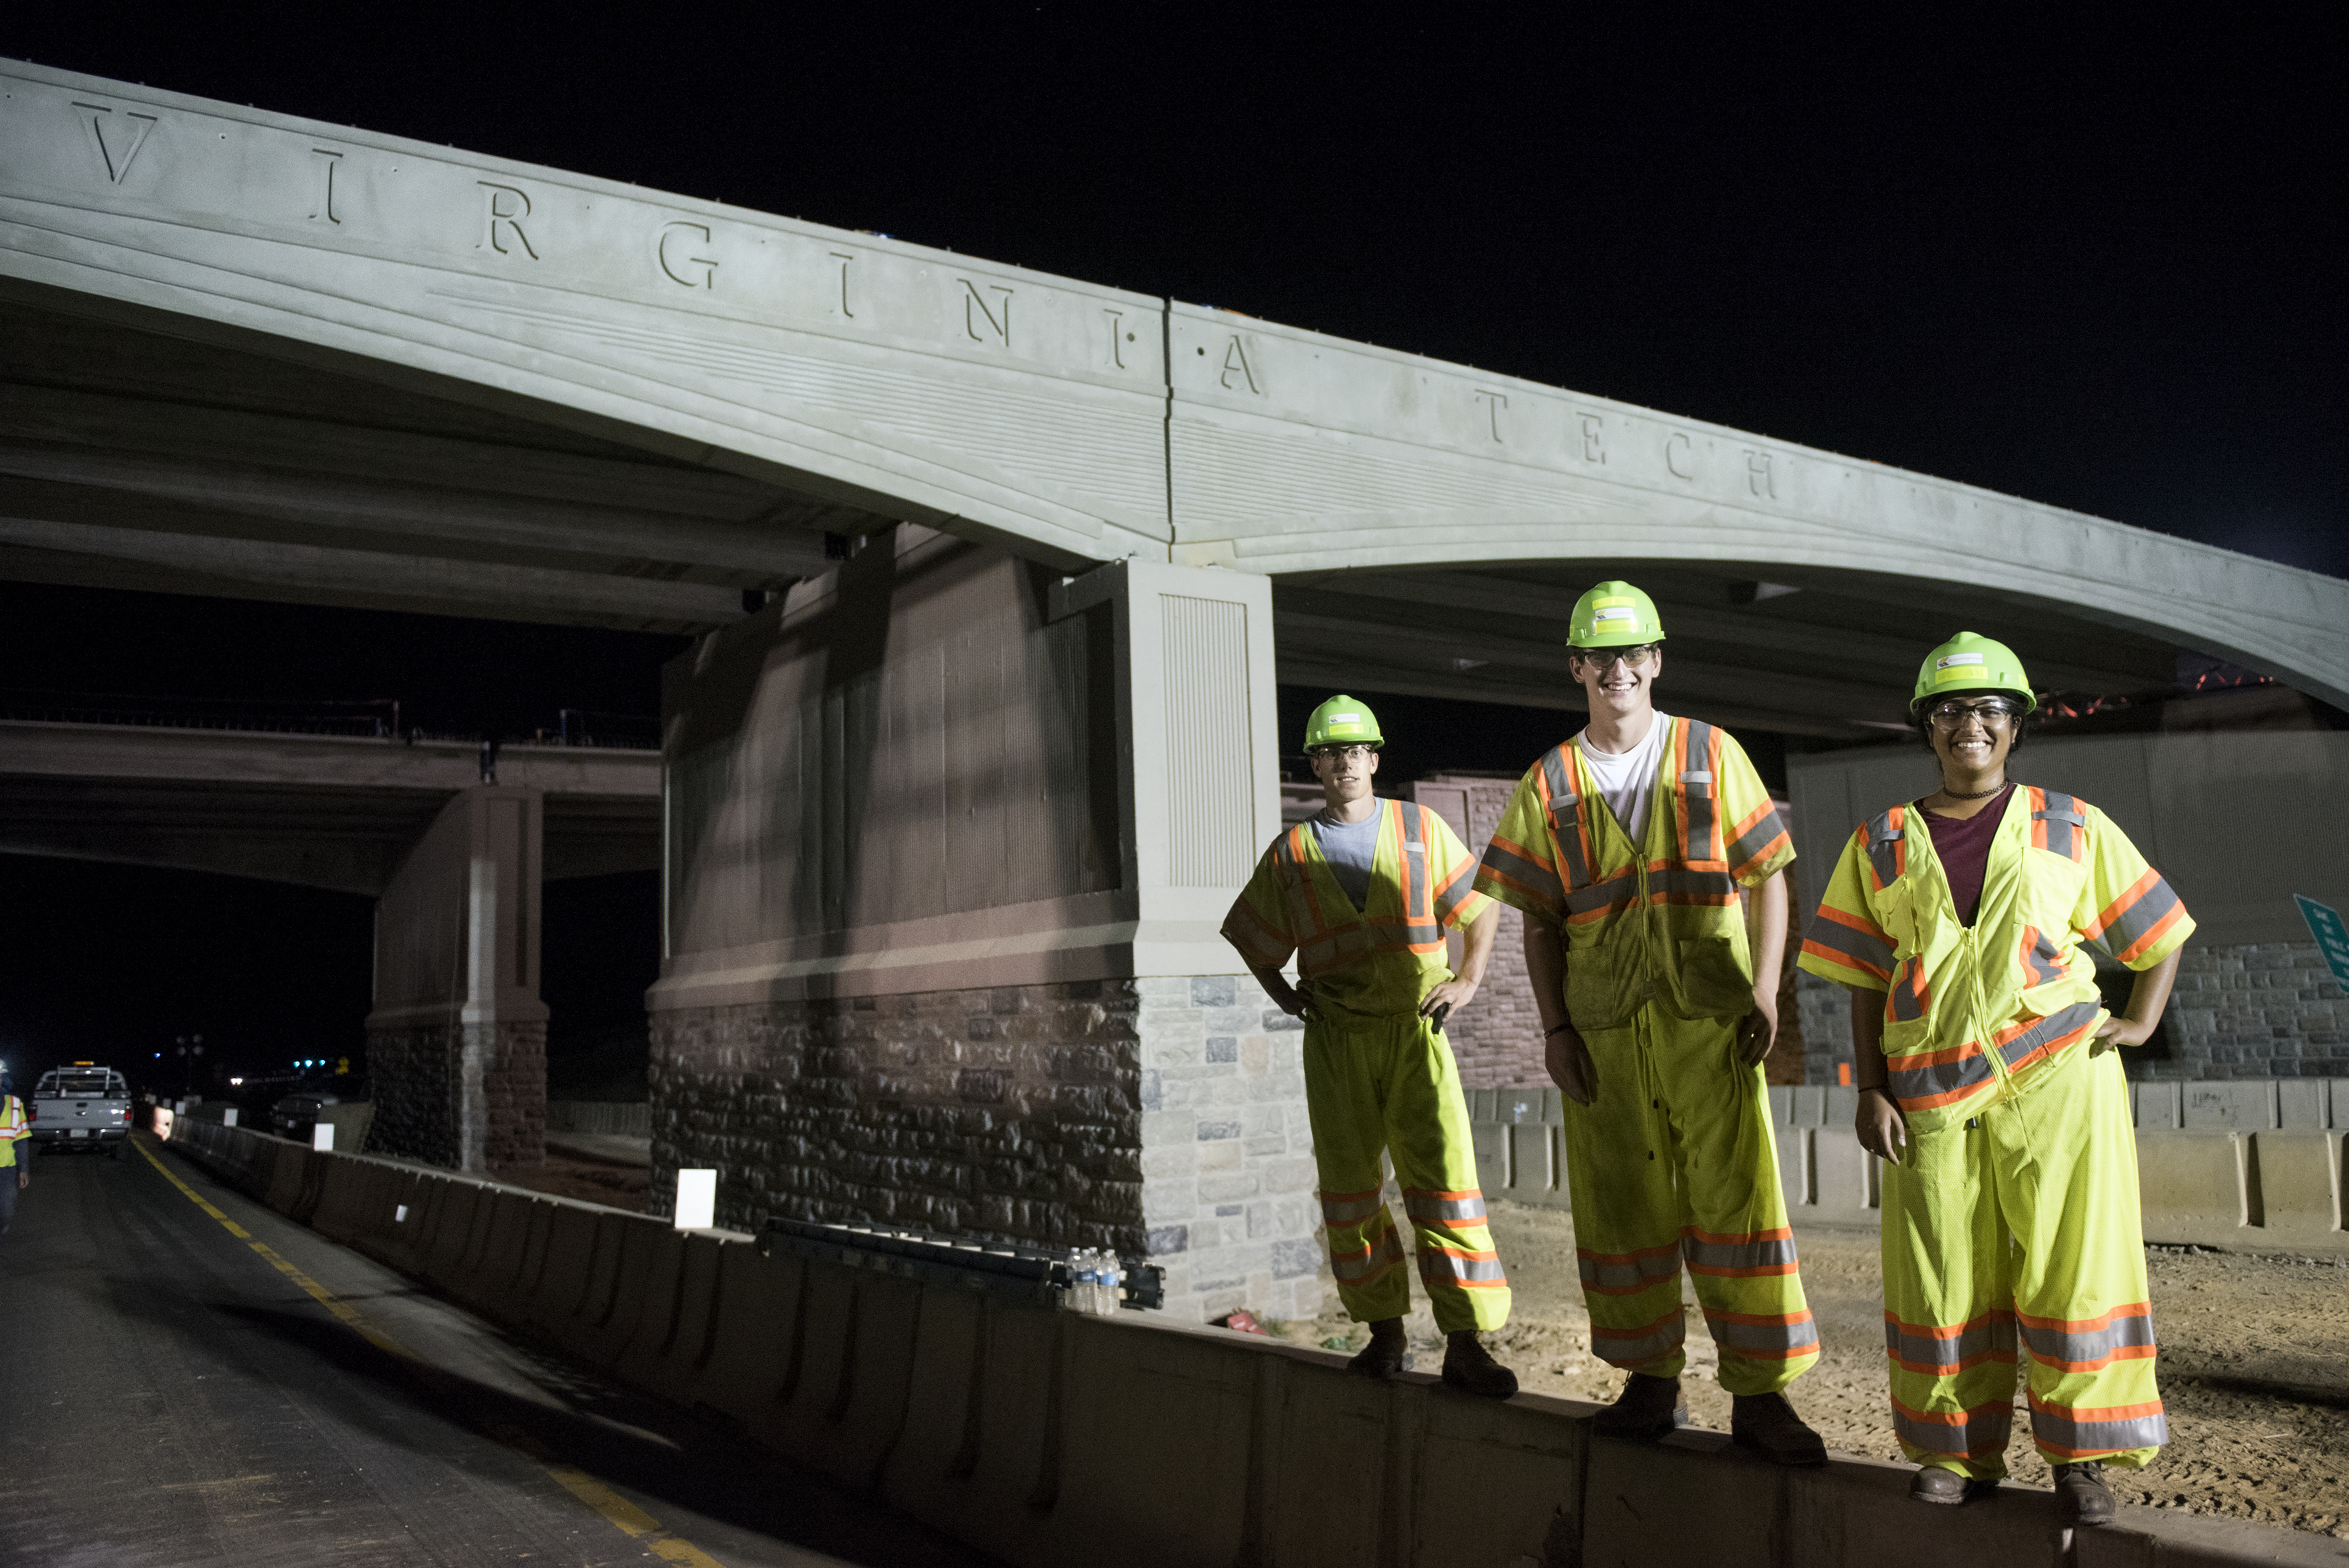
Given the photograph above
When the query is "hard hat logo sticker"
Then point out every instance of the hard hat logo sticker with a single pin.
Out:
(1948, 660)
(1626, 614)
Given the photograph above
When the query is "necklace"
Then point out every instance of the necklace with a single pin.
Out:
(1978, 794)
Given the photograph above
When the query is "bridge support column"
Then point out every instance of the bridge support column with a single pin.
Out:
(457, 1040)
(950, 836)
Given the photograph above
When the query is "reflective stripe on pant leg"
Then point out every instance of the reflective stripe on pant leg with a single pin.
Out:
(2068, 1184)
(1949, 1326)
(1341, 1102)
(1735, 1236)
(1435, 1164)
(1626, 1214)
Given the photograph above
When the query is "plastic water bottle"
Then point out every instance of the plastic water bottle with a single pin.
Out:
(1111, 1277)
(1078, 1280)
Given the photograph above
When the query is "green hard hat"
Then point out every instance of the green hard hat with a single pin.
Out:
(1971, 662)
(1342, 721)
(1614, 615)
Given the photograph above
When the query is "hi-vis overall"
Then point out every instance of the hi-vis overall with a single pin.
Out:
(1674, 1162)
(1378, 1077)
(2011, 1222)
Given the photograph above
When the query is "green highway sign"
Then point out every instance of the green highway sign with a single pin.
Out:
(2331, 934)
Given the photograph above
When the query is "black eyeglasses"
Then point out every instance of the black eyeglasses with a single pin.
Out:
(1638, 657)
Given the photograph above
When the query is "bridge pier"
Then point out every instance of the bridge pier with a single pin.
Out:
(457, 1038)
(950, 836)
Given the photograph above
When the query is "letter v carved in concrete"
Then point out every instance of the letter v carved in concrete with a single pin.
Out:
(117, 137)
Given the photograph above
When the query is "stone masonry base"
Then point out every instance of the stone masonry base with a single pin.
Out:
(469, 1096)
(1161, 1114)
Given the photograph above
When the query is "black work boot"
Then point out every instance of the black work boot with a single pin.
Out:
(1386, 1354)
(1646, 1409)
(1768, 1425)
(1938, 1483)
(2082, 1495)
(1470, 1367)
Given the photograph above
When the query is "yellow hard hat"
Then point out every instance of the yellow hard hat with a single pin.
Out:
(1971, 662)
(1614, 615)
(1342, 721)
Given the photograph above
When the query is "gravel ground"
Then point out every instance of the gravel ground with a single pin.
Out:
(2254, 1367)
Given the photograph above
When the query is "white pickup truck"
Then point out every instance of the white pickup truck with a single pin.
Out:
(82, 1106)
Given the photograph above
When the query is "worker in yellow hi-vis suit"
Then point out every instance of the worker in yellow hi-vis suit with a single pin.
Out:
(1626, 847)
(1987, 1079)
(1361, 894)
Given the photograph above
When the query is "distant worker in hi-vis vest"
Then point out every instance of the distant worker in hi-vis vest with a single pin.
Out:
(1362, 893)
(16, 1147)
(1626, 847)
(1987, 1079)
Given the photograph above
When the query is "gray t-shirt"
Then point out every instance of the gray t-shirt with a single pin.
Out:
(1349, 847)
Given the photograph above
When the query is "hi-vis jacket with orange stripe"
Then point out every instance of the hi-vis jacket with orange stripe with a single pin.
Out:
(1375, 962)
(1660, 922)
(1969, 1011)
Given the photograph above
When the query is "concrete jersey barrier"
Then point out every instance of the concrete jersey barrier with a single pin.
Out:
(1037, 1435)
(2250, 1167)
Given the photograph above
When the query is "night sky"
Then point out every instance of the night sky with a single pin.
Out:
(2094, 263)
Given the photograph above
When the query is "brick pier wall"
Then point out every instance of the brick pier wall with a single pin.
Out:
(1165, 1114)
(468, 1097)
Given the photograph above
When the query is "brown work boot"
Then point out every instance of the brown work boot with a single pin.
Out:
(1768, 1425)
(1646, 1409)
(1387, 1353)
(2082, 1495)
(1470, 1367)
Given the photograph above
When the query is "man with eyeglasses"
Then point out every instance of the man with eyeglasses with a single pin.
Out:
(1989, 1083)
(1360, 894)
(1627, 847)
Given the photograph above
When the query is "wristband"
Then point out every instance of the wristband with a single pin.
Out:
(1559, 1030)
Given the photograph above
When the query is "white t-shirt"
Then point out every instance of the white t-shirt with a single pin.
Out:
(1627, 780)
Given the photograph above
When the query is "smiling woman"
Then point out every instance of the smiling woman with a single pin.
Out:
(1989, 1082)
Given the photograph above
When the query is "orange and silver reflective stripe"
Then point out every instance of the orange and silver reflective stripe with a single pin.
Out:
(1851, 941)
(1699, 824)
(1758, 838)
(1984, 1429)
(2090, 1345)
(1765, 1336)
(1370, 1257)
(1628, 1273)
(1910, 996)
(1349, 1208)
(2059, 824)
(1648, 1341)
(1443, 1266)
(2076, 1432)
(1738, 1255)
(2043, 961)
(1887, 847)
(1565, 811)
(1421, 932)
(1944, 1352)
(2132, 923)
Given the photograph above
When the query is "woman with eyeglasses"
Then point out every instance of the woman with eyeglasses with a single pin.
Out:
(1990, 1086)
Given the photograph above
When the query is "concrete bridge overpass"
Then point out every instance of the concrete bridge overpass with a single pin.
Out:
(951, 819)
(340, 812)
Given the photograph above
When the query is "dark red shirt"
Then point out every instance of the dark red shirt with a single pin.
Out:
(1963, 845)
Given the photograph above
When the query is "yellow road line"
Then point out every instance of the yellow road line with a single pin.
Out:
(609, 1505)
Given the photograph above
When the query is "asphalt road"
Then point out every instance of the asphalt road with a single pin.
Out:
(182, 1389)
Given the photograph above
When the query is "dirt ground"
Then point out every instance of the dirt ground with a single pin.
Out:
(589, 1180)
(2254, 1367)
